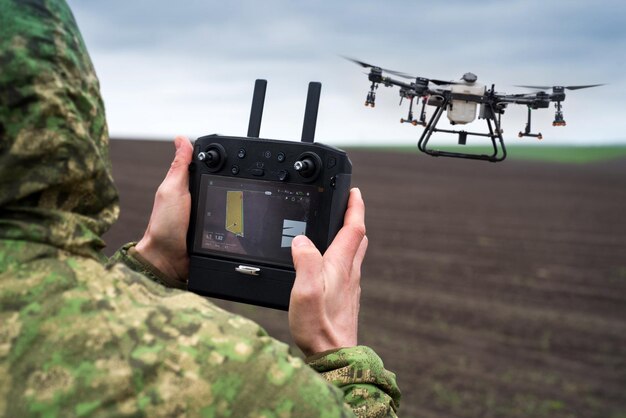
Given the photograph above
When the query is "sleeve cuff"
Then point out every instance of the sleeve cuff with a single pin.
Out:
(356, 366)
(129, 256)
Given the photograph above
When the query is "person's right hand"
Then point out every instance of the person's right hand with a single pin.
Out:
(324, 305)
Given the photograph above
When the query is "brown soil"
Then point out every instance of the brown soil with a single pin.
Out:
(491, 290)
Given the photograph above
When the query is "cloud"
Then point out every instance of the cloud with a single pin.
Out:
(189, 67)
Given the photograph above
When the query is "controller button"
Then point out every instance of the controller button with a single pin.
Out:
(259, 172)
(234, 169)
(332, 161)
(282, 175)
(267, 154)
(281, 157)
(241, 153)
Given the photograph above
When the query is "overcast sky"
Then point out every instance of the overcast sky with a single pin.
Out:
(188, 67)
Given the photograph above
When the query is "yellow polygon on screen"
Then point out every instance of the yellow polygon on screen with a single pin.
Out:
(234, 212)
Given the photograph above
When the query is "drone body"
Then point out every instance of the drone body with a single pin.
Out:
(463, 111)
(463, 101)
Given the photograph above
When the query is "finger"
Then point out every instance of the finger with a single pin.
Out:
(355, 213)
(307, 261)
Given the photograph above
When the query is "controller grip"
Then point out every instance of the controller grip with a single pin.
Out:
(339, 205)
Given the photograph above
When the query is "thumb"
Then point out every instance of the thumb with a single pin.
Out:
(307, 261)
(182, 159)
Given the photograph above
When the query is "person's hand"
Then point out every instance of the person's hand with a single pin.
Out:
(164, 242)
(324, 305)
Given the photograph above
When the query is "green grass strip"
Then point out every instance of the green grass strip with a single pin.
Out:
(550, 153)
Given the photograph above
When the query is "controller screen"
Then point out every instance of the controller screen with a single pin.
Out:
(254, 218)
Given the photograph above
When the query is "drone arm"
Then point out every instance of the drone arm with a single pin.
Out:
(517, 100)
(388, 81)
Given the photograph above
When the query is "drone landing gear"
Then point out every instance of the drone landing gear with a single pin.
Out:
(499, 152)
(370, 100)
(527, 129)
(409, 119)
(558, 116)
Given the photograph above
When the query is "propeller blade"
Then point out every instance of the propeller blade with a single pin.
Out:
(366, 65)
(441, 82)
(583, 87)
(536, 87)
(412, 77)
(566, 87)
(401, 74)
(361, 63)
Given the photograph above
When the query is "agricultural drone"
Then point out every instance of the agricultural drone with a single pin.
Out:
(460, 100)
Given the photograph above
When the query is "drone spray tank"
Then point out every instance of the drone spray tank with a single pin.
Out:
(464, 111)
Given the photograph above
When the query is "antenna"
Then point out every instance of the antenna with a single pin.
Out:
(256, 112)
(310, 112)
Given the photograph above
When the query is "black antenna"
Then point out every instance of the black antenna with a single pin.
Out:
(310, 113)
(256, 113)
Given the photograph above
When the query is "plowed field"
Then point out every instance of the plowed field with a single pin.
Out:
(491, 290)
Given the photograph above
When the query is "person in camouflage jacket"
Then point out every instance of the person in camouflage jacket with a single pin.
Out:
(81, 335)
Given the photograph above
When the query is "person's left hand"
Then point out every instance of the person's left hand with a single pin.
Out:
(164, 242)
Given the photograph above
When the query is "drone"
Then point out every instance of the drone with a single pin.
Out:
(461, 100)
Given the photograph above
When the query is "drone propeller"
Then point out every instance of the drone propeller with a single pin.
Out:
(442, 82)
(583, 87)
(399, 73)
(366, 65)
(565, 87)
(431, 80)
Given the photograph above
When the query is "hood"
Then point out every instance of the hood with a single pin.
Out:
(56, 185)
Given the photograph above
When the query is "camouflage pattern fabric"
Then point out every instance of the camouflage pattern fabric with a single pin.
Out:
(55, 175)
(81, 338)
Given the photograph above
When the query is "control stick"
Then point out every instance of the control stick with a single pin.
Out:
(306, 167)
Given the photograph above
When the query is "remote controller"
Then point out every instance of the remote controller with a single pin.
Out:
(251, 196)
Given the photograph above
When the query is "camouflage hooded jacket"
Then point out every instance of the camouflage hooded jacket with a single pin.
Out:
(78, 338)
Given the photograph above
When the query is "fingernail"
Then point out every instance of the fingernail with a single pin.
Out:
(301, 241)
(177, 143)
